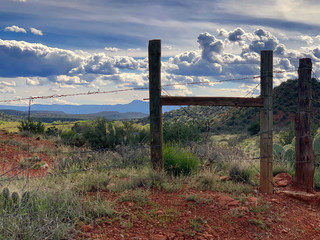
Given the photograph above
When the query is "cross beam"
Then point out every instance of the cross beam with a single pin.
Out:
(212, 101)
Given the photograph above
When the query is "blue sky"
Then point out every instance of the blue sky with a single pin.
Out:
(60, 47)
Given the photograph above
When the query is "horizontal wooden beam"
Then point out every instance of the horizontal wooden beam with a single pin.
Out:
(212, 101)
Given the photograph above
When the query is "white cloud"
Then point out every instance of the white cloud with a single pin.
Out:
(236, 35)
(64, 79)
(307, 39)
(111, 49)
(32, 82)
(33, 59)
(15, 28)
(134, 49)
(264, 41)
(19, 0)
(66, 86)
(36, 31)
(6, 87)
(209, 45)
(122, 80)
(25, 59)
(8, 84)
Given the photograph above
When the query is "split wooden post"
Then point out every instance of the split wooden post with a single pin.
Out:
(303, 179)
(156, 128)
(266, 123)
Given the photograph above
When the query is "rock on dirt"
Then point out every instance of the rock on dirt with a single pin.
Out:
(282, 179)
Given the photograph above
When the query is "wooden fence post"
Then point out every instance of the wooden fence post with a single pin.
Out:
(266, 123)
(303, 179)
(156, 128)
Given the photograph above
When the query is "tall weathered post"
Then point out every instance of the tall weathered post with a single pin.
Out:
(156, 129)
(303, 179)
(266, 123)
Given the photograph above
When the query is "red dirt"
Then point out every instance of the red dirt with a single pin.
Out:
(172, 216)
(13, 151)
(175, 216)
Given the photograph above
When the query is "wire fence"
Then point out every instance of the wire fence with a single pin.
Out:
(16, 172)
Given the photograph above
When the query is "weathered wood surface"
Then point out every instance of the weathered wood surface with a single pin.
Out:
(156, 128)
(266, 123)
(303, 179)
(212, 101)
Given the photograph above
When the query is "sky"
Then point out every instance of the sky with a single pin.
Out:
(54, 47)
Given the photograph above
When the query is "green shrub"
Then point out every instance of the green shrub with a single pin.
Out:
(92, 182)
(179, 162)
(238, 174)
(39, 215)
(32, 126)
(283, 167)
(254, 129)
(317, 178)
(178, 132)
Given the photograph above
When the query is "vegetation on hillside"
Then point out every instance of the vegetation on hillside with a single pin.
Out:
(95, 158)
(236, 120)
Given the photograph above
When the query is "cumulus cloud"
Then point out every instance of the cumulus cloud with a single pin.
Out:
(30, 59)
(7, 87)
(236, 35)
(209, 45)
(111, 49)
(122, 80)
(25, 59)
(264, 41)
(8, 84)
(36, 31)
(15, 28)
(316, 52)
(64, 79)
(214, 61)
(32, 82)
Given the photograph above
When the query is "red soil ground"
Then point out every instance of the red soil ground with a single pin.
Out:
(13, 154)
(183, 214)
(211, 215)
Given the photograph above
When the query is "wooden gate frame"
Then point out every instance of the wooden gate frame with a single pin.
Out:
(264, 102)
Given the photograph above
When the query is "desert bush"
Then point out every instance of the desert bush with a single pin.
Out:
(39, 215)
(317, 178)
(254, 128)
(178, 132)
(92, 182)
(240, 174)
(178, 161)
(97, 207)
(32, 126)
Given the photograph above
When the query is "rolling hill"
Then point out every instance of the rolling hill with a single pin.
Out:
(233, 120)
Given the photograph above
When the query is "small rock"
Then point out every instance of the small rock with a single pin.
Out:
(224, 178)
(282, 179)
(243, 209)
(44, 166)
(234, 203)
(86, 228)
(160, 237)
(284, 231)
(274, 200)
(228, 201)
(171, 236)
(252, 201)
(159, 212)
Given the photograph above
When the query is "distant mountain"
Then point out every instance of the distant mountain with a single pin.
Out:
(134, 106)
(48, 116)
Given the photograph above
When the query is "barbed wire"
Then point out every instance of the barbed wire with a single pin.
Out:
(136, 88)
